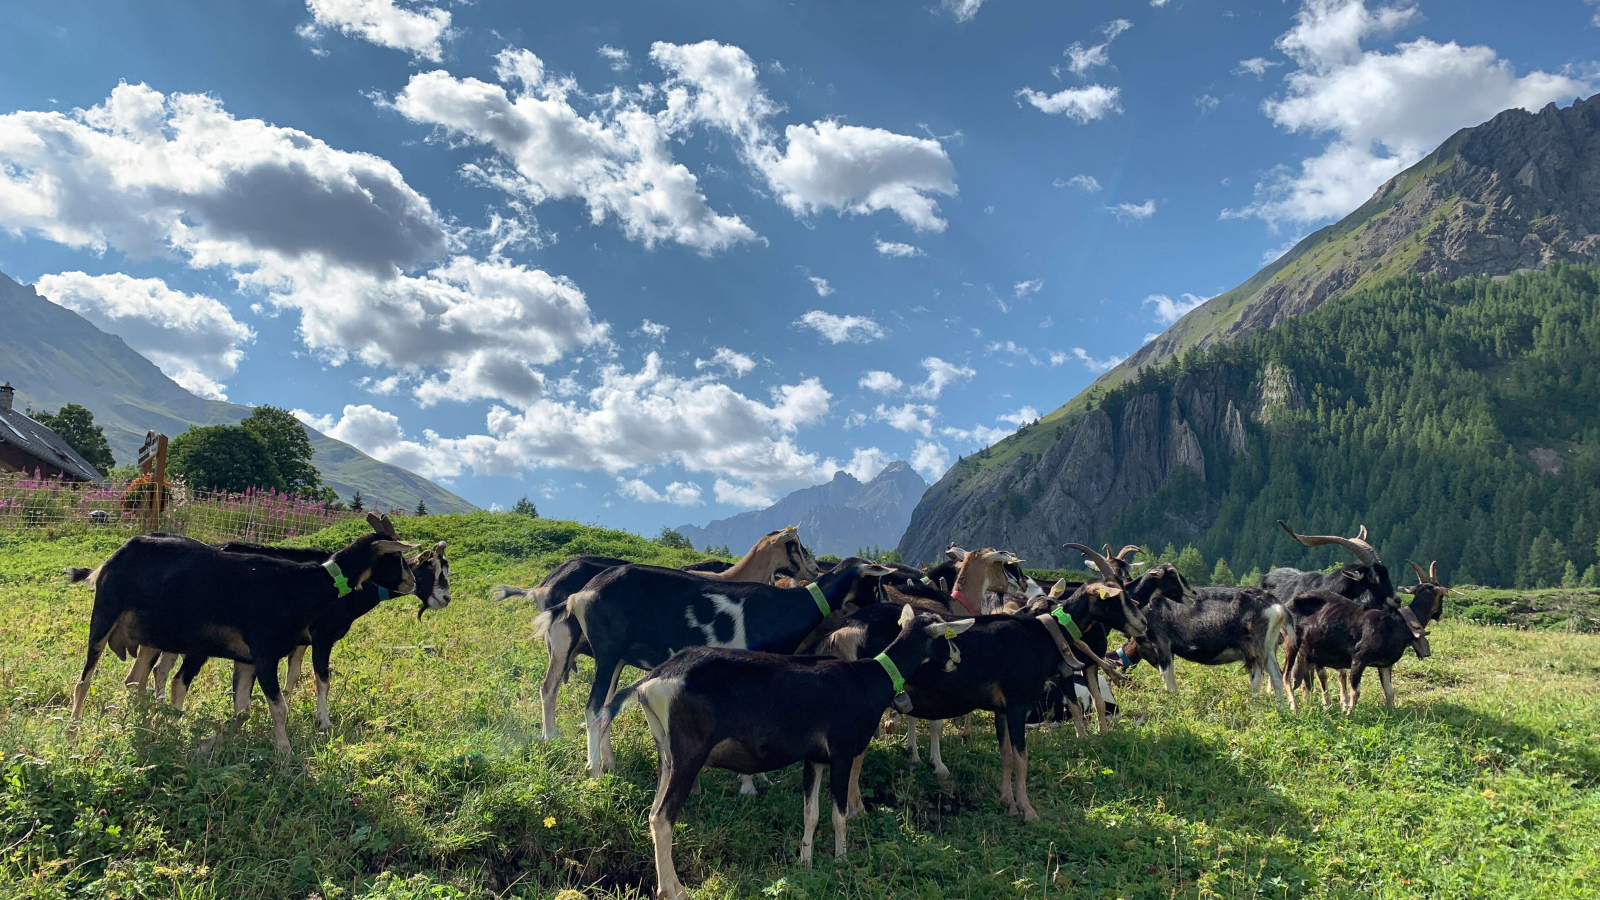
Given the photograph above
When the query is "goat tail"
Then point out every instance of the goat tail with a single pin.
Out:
(628, 696)
(1276, 616)
(556, 613)
(75, 576)
(508, 592)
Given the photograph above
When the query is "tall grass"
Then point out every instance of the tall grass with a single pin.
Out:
(1485, 782)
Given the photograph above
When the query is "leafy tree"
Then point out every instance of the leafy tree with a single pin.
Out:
(1192, 565)
(357, 502)
(1222, 574)
(290, 446)
(1169, 555)
(75, 425)
(673, 539)
(223, 458)
(1251, 578)
(878, 554)
(525, 507)
(422, 508)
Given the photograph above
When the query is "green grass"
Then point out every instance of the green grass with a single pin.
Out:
(433, 784)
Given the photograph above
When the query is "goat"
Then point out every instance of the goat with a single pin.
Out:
(757, 712)
(1004, 664)
(1332, 631)
(1365, 581)
(165, 592)
(639, 615)
(1219, 625)
(778, 551)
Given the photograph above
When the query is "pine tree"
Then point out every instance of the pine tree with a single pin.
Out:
(422, 508)
(1569, 575)
(525, 507)
(1251, 578)
(1192, 565)
(1543, 566)
(1222, 575)
(357, 502)
(1169, 555)
(1591, 577)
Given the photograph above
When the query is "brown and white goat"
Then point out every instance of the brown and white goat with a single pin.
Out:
(1333, 632)
(756, 712)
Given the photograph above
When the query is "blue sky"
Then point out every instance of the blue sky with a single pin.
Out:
(651, 265)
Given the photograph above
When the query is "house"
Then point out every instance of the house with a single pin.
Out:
(27, 446)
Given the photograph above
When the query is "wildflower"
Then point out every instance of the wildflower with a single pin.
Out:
(549, 821)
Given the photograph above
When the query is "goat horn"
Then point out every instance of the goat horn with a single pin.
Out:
(1357, 545)
(1421, 575)
(1100, 562)
(1123, 553)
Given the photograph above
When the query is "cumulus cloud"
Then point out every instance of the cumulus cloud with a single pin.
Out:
(913, 417)
(1383, 111)
(941, 375)
(1058, 357)
(930, 459)
(882, 382)
(732, 361)
(979, 435)
(1019, 417)
(616, 58)
(378, 434)
(867, 462)
(963, 10)
(1082, 105)
(1206, 103)
(1027, 288)
(840, 329)
(678, 493)
(1256, 65)
(1133, 212)
(821, 284)
(192, 338)
(1168, 310)
(652, 330)
(1086, 183)
(895, 248)
(741, 495)
(419, 30)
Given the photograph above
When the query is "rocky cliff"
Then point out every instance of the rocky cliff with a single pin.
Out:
(1518, 192)
(838, 517)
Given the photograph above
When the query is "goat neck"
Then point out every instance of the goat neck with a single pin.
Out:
(980, 572)
(376, 560)
(778, 551)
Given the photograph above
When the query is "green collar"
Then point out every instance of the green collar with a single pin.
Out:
(1065, 618)
(892, 670)
(339, 582)
(822, 602)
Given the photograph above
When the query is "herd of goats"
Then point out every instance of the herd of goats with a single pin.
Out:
(772, 661)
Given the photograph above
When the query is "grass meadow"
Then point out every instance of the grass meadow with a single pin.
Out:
(433, 784)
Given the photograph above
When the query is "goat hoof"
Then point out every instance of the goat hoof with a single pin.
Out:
(942, 771)
(747, 786)
(1030, 816)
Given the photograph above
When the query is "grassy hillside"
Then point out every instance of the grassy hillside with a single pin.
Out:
(1485, 782)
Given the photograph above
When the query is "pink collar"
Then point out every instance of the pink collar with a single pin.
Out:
(962, 599)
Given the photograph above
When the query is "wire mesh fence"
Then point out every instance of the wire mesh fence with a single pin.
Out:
(263, 516)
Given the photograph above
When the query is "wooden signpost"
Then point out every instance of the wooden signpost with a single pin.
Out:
(153, 462)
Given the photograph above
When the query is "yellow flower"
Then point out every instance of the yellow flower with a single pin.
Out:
(549, 821)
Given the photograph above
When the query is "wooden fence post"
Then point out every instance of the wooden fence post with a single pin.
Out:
(153, 462)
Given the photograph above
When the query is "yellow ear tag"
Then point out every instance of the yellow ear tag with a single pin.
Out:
(1103, 591)
(949, 633)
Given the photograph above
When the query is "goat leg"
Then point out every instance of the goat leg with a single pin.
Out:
(158, 674)
(855, 806)
(810, 788)
(140, 673)
(1007, 797)
(292, 678)
(1077, 716)
(1019, 761)
(561, 641)
(319, 663)
(936, 728)
(1092, 680)
(1094, 659)
(911, 740)
(1386, 678)
(839, 783)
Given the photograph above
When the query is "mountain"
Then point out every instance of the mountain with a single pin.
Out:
(838, 517)
(1157, 440)
(54, 356)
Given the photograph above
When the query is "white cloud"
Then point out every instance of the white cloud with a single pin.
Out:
(1058, 357)
(1596, 20)
(977, 436)
(1027, 288)
(911, 417)
(895, 248)
(378, 434)
(1206, 103)
(1133, 212)
(732, 361)
(882, 382)
(1159, 3)
(963, 10)
(821, 284)
(1086, 183)
(1085, 104)
(617, 160)
(616, 58)
(1256, 65)
(1168, 310)
(677, 493)
(930, 459)
(1085, 58)
(1020, 417)
(653, 330)
(941, 375)
(741, 495)
(1383, 111)
(839, 329)
(382, 22)
(190, 337)
(867, 462)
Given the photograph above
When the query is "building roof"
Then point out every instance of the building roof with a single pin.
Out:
(45, 445)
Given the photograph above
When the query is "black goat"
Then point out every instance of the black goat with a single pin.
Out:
(1365, 581)
(1332, 631)
(1217, 626)
(757, 712)
(177, 595)
(777, 552)
(640, 615)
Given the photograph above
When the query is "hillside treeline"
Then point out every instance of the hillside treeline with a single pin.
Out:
(1457, 421)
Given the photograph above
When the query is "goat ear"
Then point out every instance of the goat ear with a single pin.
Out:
(906, 615)
(438, 549)
(1059, 589)
(949, 629)
(392, 547)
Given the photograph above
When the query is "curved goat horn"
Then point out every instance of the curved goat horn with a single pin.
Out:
(1433, 569)
(1421, 575)
(1357, 545)
(1100, 562)
(1123, 553)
